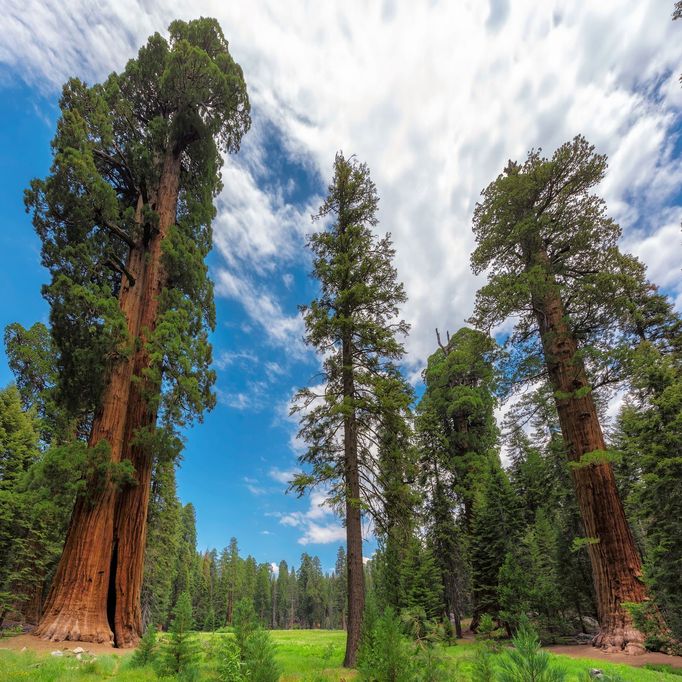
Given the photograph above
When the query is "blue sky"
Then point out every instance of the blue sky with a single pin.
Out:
(435, 97)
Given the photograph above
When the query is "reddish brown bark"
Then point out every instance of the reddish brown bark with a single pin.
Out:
(356, 578)
(133, 502)
(616, 564)
(76, 606)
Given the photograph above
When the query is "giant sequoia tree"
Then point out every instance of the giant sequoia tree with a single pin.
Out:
(354, 322)
(554, 264)
(125, 221)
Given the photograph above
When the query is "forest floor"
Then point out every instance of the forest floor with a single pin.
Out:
(303, 655)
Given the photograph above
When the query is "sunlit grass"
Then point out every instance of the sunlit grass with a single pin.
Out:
(304, 656)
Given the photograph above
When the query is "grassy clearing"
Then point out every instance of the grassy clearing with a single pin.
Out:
(304, 655)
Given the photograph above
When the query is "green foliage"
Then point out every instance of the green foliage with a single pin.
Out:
(260, 664)
(526, 662)
(649, 433)
(181, 97)
(228, 660)
(647, 619)
(494, 529)
(355, 316)
(245, 622)
(489, 632)
(163, 541)
(384, 655)
(146, 649)
(483, 669)
(180, 655)
(37, 492)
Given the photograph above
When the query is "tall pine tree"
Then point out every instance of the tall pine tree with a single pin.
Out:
(354, 323)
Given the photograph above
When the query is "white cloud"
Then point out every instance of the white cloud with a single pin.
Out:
(263, 310)
(434, 96)
(283, 476)
(318, 523)
(254, 487)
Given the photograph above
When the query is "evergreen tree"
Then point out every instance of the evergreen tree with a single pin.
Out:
(283, 595)
(262, 596)
(163, 540)
(354, 322)
(180, 655)
(341, 587)
(554, 264)
(146, 651)
(260, 664)
(124, 218)
(231, 578)
(457, 436)
(649, 433)
(494, 528)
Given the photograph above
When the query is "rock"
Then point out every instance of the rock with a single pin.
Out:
(595, 672)
(56, 653)
(79, 656)
(79, 650)
(23, 649)
(590, 624)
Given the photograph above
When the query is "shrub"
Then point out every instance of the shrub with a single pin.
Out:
(527, 662)
(431, 666)
(228, 660)
(483, 669)
(146, 651)
(489, 633)
(180, 653)
(244, 621)
(259, 658)
(385, 652)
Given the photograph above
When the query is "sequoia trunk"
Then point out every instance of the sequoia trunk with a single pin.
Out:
(130, 531)
(356, 579)
(616, 564)
(76, 606)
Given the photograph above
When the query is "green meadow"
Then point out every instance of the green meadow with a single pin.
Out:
(303, 655)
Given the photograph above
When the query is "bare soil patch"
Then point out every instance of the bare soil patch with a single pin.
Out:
(19, 642)
(588, 651)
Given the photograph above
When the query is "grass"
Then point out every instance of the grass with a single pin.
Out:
(304, 655)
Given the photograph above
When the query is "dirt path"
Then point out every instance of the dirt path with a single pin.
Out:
(587, 651)
(20, 642)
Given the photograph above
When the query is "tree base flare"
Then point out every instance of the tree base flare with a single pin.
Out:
(626, 640)
(74, 629)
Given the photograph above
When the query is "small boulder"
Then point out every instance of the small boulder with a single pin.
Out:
(56, 653)
(79, 650)
(596, 673)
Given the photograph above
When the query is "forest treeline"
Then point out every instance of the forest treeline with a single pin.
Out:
(579, 531)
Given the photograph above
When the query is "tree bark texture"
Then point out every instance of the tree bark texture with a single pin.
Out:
(76, 606)
(616, 564)
(356, 579)
(98, 583)
(130, 531)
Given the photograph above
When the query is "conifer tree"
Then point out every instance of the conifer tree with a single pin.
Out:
(554, 263)
(180, 655)
(354, 322)
(494, 529)
(457, 436)
(163, 539)
(649, 435)
(124, 217)
(341, 587)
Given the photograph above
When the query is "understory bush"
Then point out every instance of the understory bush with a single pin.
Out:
(526, 662)
(260, 664)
